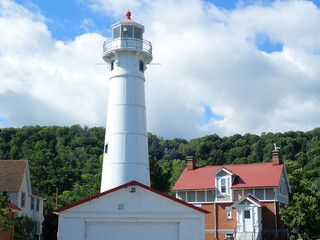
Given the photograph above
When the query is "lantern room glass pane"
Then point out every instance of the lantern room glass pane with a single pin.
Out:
(116, 32)
(127, 31)
(137, 32)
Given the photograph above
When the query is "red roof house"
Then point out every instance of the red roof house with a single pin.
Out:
(243, 200)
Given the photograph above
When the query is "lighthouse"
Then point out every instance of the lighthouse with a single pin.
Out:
(126, 142)
(127, 207)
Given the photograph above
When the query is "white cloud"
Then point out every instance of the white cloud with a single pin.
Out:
(207, 55)
(44, 81)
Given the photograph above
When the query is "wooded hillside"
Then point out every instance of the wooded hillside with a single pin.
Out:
(70, 159)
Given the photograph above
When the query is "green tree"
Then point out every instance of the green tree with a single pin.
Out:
(159, 177)
(24, 228)
(177, 168)
(302, 217)
(5, 214)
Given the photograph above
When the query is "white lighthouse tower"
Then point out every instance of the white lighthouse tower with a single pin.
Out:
(126, 142)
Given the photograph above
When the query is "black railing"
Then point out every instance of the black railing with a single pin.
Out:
(128, 43)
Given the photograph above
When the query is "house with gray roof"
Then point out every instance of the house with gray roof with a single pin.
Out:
(15, 183)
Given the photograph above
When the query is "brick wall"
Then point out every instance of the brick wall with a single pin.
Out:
(6, 236)
(268, 220)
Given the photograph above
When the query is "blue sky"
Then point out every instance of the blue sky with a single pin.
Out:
(226, 66)
(67, 19)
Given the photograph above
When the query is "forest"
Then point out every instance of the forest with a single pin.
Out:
(68, 161)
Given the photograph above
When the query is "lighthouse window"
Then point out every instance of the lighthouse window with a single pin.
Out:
(106, 149)
(141, 66)
(116, 32)
(112, 65)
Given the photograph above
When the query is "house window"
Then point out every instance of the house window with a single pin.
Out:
(181, 195)
(38, 205)
(201, 196)
(229, 212)
(23, 199)
(141, 66)
(247, 214)
(223, 186)
(4, 193)
(210, 196)
(191, 196)
(121, 206)
(259, 194)
(38, 228)
(32, 204)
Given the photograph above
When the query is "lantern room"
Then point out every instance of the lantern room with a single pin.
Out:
(127, 35)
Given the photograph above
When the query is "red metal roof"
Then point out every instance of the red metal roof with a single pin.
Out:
(132, 183)
(247, 176)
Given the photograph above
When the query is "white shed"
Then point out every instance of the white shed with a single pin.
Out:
(131, 211)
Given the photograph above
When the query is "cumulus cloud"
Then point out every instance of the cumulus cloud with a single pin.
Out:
(44, 81)
(209, 57)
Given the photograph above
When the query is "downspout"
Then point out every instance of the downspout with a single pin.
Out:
(275, 212)
(215, 220)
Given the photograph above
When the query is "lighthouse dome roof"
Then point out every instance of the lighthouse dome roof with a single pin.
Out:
(128, 17)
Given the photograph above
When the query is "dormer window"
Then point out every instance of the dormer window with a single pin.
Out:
(223, 182)
(223, 186)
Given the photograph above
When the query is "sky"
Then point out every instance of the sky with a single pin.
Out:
(227, 67)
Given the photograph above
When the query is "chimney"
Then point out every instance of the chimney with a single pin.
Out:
(276, 157)
(191, 163)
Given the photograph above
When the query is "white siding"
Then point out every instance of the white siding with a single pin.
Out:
(141, 206)
(283, 190)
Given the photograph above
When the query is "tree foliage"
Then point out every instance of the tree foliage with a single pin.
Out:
(69, 159)
(5, 214)
(24, 228)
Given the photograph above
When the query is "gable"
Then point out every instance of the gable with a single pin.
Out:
(248, 200)
(12, 174)
(122, 200)
(222, 172)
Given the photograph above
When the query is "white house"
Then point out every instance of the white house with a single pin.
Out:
(131, 211)
(15, 183)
